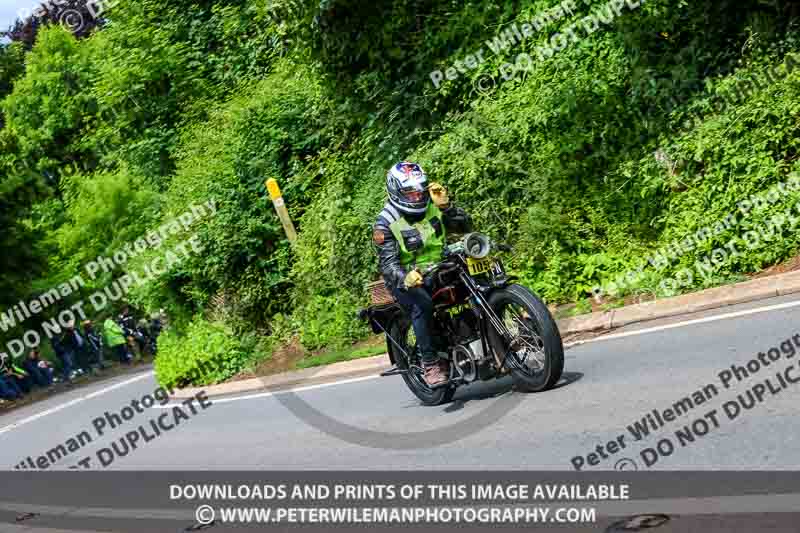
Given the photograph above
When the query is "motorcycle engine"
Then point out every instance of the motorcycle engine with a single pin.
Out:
(465, 326)
(464, 363)
(470, 361)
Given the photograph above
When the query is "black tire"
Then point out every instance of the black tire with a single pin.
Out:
(401, 331)
(537, 328)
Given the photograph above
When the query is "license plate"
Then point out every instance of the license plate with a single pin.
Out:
(479, 266)
(497, 270)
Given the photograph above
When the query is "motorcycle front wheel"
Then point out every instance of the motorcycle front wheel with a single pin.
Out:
(535, 354)
(403, 334)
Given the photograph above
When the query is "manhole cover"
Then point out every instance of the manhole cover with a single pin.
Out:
(26, 516)
(638, 523)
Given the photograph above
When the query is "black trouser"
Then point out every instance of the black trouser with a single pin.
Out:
(40, 376)
(96, 357)
(67, 364)
(9, 389)
(121, 350)
(22, 383)
(82, 357)
(418, 302)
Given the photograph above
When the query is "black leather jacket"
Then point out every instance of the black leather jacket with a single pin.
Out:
(455, 220)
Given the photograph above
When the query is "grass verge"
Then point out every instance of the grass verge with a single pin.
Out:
(347, 354)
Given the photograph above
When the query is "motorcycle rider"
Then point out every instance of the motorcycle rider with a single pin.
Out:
(410, 234)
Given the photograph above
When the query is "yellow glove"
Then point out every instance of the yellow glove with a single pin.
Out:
(413, 279)
(439, 195)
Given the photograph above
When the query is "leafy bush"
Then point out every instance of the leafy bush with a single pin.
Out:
(588, 163)
(328, 321)
(204, 353)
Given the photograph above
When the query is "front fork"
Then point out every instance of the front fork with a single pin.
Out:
(491, 320)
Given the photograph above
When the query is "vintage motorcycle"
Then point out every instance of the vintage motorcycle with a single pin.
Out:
(484, 324)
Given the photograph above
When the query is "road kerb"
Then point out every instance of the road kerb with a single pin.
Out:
(588, 322)
(297, 378)
(748, 291)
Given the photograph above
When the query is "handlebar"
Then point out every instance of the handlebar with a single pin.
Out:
(459, 248)
(444, 265)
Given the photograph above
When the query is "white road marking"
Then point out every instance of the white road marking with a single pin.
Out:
(644, 331)
(73, 402)
(713, 318)
(273, 393)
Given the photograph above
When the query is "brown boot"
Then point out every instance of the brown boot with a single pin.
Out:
(434, 376)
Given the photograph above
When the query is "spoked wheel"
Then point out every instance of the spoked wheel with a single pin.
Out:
(535, 354)
(403, 333)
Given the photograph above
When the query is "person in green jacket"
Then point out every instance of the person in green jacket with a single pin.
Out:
(115, 339)
(410, 235)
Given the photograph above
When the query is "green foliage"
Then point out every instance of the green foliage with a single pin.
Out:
(338, 356)
(161, 67)
(49, 106)
(205, 353)
(270, 128)
(114, 209)
(19, 261)
(12, 66)
(588, 163)
(328, 321)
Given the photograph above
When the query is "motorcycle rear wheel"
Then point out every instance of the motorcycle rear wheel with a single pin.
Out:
(403, 334)
(538, 361)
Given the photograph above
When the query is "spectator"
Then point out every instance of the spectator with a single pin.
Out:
(14, 374)
(127, 322)
(74, 344)
(155, 331)
(115, 339)
(9, 390)
(64, 357)
(40, 371)
(128, 325)
(143, 338)
(155, 325)
(163, 320)
(94, 342)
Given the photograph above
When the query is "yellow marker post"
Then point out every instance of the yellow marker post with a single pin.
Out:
(280, 208)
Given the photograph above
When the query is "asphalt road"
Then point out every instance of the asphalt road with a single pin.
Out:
(375, 423)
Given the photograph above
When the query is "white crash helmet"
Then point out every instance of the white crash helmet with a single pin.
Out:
(407, 185)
